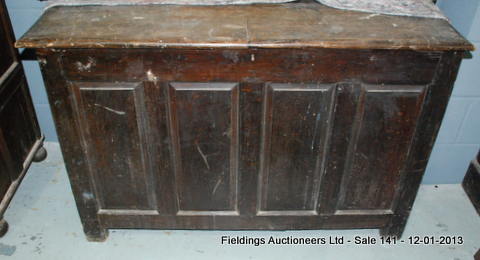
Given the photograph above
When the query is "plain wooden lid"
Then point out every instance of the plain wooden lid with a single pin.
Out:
(291, 25)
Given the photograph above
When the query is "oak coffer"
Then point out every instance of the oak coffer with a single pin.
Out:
(287, 116)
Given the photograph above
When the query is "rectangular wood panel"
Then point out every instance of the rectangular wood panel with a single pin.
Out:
(7, 52)
(112, 122)
(296, 119)
(5, 171)
(16, 114)
(204, 123)
(382, 134)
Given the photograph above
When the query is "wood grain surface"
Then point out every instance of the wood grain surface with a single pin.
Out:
(291, 25)
(246, 138)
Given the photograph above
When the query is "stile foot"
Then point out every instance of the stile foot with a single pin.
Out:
(392, 231)
(100, 236)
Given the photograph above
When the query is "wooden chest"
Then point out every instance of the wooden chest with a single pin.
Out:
(291, 116)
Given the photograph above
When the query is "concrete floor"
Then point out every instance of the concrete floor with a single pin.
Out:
(44, 224)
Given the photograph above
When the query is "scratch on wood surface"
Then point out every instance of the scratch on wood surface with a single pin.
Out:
(232, 26)
(368, 17)
(203, 155)
(365, 157)
(216, 185)
(306, 193)
(210, 33)
(118, 112)
(317, 121)
(335, 29)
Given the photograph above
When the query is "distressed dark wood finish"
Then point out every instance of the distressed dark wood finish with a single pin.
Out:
(471, 183)
(103, 109)
(204, 127)
(237, 153)
(427, 128)
(241, 132)
(295, 119)
(302, 24)
(303, 65)
(382, 130)
(6, 52)
(19, 128)
(20, 136)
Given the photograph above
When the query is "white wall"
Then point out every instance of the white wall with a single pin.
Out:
(459, 138)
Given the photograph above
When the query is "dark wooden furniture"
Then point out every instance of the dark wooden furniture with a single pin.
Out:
(20, 138)
(471, 183)
(289, 116)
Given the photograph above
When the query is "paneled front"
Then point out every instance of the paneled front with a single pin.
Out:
(241, 139)
(329, 149)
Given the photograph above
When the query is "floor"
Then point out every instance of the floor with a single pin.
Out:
(44, 224)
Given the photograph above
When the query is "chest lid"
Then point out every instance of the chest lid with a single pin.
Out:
(291, 25)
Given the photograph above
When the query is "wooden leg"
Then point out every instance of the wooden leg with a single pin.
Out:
(3, 227)
(477, 255)
(396, 227)
(40, 155)
(471, 183)
(97, 235)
